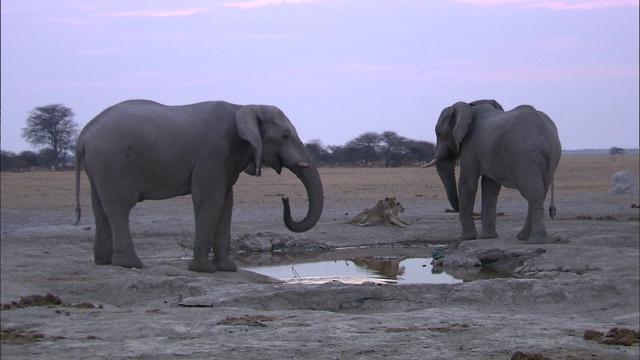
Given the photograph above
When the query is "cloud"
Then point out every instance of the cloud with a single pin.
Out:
(556, 4)
(154, 13)
(541, 74)
(557, 43)
(381, 71)
(97, 51)
(470, 72)
(259, 3)
(176, 35)
(66, 21)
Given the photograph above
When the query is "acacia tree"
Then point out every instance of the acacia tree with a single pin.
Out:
(367, 145)
(52, 126)
(616, 151)
(317, 151)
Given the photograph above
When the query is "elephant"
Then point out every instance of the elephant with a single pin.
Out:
(519, 149)
(142, 150)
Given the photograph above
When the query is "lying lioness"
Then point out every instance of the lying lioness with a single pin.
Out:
(386, 210)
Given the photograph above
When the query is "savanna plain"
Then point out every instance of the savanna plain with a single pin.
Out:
(558, 301)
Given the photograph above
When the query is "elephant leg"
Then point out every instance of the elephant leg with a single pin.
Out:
(526, 229)
(103, 241)
(124, 253)
(534, 230)
(207, 204)
(222, 236)
(205, 227)
(467, 192)
(538, 228)
(490, 192)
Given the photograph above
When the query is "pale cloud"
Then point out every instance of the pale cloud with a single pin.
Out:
(66, 20)
(556, 4)
(470, 72)
(96, 51)
(381, 71)
(540, 74)
(269, 37)
(154, 13)
(83, 85)
(259, 3)
(176, 35)
(557, 44)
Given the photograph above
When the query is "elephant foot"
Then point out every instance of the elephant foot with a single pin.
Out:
(102, 255)
(126, 261)
(488, 234)
(523, 235)
(225, 264)
(202, 265)
(469, 235)
(102, 260)
(537, 239)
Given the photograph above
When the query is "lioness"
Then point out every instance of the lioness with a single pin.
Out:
(386, 210)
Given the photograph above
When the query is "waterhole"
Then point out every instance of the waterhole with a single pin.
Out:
(379, 269)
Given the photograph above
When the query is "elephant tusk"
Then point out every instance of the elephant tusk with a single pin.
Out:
(302, 164)
(430, 164)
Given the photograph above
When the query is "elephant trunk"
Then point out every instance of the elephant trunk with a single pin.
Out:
(447, 171)
(309, 176)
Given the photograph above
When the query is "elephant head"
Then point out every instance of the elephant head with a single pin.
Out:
(275, 143)
(451, 128)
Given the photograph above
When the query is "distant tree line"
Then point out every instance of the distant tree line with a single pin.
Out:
(53, 129)
(386, 149)
(44, 159)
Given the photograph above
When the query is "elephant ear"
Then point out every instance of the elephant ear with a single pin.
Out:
(249, 128)
(461, 120)
(492, 103)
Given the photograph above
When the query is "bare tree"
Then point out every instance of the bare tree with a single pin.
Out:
(52, 126)
(616, 151)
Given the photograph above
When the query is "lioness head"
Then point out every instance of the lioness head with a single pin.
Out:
(394, 205)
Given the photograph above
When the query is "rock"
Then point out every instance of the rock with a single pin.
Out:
(461, 259)
(593, 335)
(519, 355)
(623, 183)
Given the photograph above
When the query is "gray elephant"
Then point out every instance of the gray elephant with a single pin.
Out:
(141, 150)
(519, 149)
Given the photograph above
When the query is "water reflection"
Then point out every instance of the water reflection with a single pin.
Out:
(386, 266)
(388, 269)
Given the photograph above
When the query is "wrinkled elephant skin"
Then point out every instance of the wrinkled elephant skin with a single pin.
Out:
(141, 150)
(519, 149)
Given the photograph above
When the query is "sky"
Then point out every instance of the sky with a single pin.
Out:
(337, 68)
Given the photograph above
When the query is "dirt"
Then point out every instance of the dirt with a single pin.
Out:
(560, 296)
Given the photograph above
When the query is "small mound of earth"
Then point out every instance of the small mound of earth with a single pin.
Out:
(615, 336)
(623, 183)
(47, 300)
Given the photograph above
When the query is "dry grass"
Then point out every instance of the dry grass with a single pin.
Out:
(577, 174)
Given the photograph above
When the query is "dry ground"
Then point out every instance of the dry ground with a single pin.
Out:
(586, 279)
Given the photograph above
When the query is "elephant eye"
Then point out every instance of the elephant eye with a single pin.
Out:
(285, 137)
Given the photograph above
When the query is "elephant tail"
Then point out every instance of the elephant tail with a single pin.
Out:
(552, 207)
(551, 171)
(79, 154)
